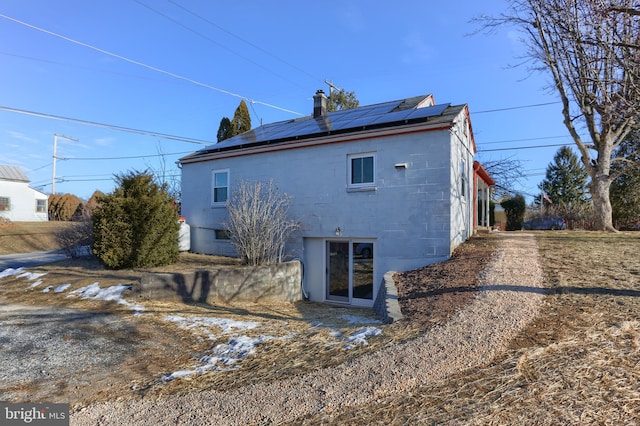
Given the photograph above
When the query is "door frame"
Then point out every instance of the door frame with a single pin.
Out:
(350, 300)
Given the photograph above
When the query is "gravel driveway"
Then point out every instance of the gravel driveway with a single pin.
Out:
(52, 336)
(511, 297)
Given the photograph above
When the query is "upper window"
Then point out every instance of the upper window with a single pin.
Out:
(220, 192)
(463, 179)
(361, 170)
(41, 206)
(5, 205)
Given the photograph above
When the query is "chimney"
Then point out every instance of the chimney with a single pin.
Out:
(319, 104)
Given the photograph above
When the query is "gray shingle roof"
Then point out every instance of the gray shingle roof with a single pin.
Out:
(386, 114)
(14, 173)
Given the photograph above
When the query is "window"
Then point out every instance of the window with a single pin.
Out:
(222, 234)
(41, 206)
(220, 187)
(5, 205)
(463, 179)
(361, 170)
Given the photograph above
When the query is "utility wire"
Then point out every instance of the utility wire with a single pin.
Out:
(175, 21)
(208, 21)
(512, 108)
(124, 158)
(522, 147)
(521, 140)
(107, 126)
(142, 64)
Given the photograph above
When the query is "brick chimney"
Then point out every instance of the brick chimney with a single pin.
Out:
(319, 104)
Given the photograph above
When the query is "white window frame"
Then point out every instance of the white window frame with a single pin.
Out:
(44, 206)
(215, 203)
(8, 204)
(464, 179)
(350, 158)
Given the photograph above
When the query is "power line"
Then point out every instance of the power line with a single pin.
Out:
(522, 147)
(175, 21)
(515, 107)
(243, 40)
(82, 67)
(521, 140)
(125, 158)
(142, 64)
(107, 126)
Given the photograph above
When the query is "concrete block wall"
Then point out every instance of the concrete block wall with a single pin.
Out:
(386, 304)
(273, 283)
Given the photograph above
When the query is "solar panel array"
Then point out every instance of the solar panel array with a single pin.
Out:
(338, 121)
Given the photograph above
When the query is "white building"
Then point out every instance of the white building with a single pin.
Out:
(390, 186)
(18, 201)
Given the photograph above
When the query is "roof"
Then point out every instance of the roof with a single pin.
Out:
(13, 173)
(483, 174)
(377, 116)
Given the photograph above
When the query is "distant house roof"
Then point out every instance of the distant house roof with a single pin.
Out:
(419, 109)
(13, 173)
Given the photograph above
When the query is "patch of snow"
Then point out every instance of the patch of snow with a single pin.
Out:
(113, 293)
(354, 319)
(61, 288)
(225, 324)
(10, 272)
(360, 336)
(47, 289)
(31, 275)
(36, 284)
(223, 357)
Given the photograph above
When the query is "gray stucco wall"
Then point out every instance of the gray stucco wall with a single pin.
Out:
(408, 213)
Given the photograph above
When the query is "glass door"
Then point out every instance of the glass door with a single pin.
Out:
(350, 272)
(338, 271)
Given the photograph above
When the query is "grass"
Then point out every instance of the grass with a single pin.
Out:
(577, 363)
(306, 332)
(25, 237)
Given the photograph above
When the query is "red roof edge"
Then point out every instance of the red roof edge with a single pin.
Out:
(482, 173)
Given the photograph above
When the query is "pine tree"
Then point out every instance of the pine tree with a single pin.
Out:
(225, 131)
(240, 123)
(566, 179)
(136, 225)
(241, 119)
(625, 189)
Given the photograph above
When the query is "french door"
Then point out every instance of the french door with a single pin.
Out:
(349, 272)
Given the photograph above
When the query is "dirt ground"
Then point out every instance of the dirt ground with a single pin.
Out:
(149, 347)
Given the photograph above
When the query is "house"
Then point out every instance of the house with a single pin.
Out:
(390, 186)
(18, 201)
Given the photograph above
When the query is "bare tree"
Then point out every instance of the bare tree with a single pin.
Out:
(591, 49)
(506, 172)
(258, 223)
(166, 176)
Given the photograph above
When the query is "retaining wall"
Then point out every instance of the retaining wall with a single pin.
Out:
(273, 283)
(386, 304)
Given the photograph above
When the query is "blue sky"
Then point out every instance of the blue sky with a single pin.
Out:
(189, 63)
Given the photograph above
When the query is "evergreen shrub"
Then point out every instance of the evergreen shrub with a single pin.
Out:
(136, 225)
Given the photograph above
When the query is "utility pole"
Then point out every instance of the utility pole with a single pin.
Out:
(332, 87)
(55, 147)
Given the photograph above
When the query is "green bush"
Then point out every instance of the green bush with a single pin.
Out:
(136, 225)
(514, 208)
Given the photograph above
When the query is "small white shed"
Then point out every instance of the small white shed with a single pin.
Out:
(18, 201)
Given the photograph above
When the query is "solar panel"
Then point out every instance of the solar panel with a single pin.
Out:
(334, 121)
(431, 111)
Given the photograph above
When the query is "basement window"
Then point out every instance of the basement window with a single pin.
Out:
(5, 204)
